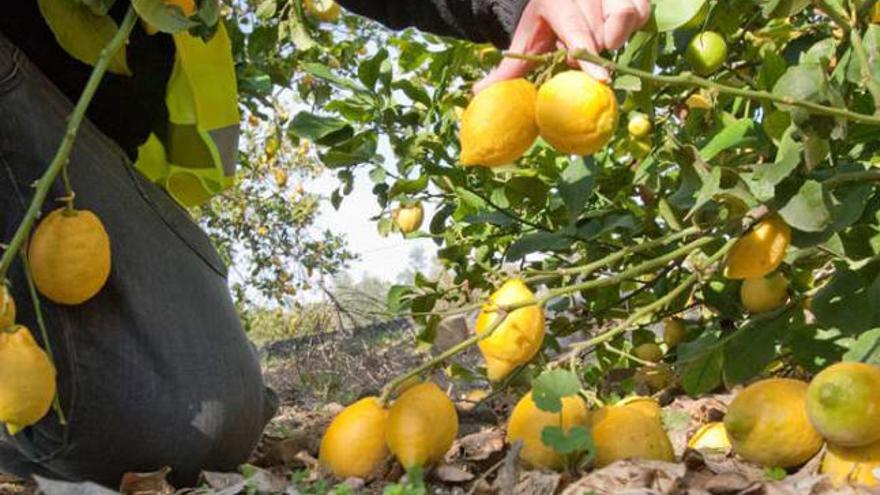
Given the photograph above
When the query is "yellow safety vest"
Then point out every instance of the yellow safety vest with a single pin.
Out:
(193, 156)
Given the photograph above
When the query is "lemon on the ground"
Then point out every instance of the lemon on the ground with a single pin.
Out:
(354, 443)
(649, 351)
(7, 308)
(630, 430)
(518, 338)
(760, 250)
(639, 125)
(710, 436)
(674, 332)
(422, 424)
(844, 404)
(706, 52)
(408, 218)
(323, 10)
(767, 424)
(764, 294)
(27, 380)
(576, 113)
(498, 125)
(69, 256)
(527, 422)
(852, 465)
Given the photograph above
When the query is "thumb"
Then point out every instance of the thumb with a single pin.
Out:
(509, 68)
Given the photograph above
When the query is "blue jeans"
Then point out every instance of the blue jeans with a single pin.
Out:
(156, 369)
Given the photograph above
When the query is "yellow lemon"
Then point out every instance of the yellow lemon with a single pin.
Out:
(764, 294)
(422, 424)
(647, 405)
(27, 380)
(759, 251)
(7, 308)
(844, 404)
(280, 176)
(674, 332)
(767, 424)
(699, 101)
(852, 465)
(518, 338)
(630, 431)
(712, 437)
(187, 6)
(498, 125)
(527, 422)
(875, 13)
(639, 126)
(69, 256)
(576, 113)
(409, 218)
(649, 351)
(354, 443)
(323, 10)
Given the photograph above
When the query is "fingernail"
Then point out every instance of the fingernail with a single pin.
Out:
(594, 70)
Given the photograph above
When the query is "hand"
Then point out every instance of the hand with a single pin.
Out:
(592, 25)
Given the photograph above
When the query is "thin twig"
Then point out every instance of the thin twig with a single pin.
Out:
(44, 184)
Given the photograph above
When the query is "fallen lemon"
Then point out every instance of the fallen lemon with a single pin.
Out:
(759, 251)
(764, 294)
(844, 404)
(852, 465)
(27, 380)
(518, 338)
(674, 332)
(422, 424)
(711, 437)
(630, 431)
(408, 218)
(7, 308)
(498, 125)
(354, 444)
(69, 256)
(323, 10)
(767, 424)
(527, 423)
(649, 351)
(576, 113)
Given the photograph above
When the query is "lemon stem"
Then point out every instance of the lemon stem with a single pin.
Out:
(56, 401)
(62, 155)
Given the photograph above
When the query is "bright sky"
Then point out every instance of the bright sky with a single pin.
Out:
(381, 257)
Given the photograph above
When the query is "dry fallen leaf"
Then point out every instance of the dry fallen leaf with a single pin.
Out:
(154, 483)
(482, 445)
(537, 483)
(448, 473)
(651, 477)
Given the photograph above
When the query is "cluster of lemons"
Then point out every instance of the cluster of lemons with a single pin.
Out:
(69, 258)
(783, 422)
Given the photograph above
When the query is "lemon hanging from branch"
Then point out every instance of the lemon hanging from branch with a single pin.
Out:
(323, 10)
(518, 338)
(498, 125)
(27, 380)
(7, 308)
(576, 113)
(69, 256)
(759, 251)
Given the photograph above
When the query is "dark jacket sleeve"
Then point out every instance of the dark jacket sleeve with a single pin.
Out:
(477, 20)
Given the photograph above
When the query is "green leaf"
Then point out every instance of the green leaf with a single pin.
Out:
(783, 8)
(414, 92)
(368, 70)
(550, 387)
(849, 301)
(408, 186)
(165, 17)
(82, 33)
(672, 14)
(396, 295)
(702, 361)
(806, 211)
(359, 149)
(757, 341)
(578, 439)
(866, 348)
(321, 71)
(537, 242)
(266, 9)
(99, 7)
(739, 134)
(788, 156)
(576, 185)
(320, 129)
(299, 32)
